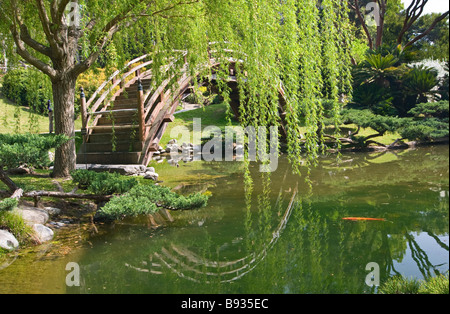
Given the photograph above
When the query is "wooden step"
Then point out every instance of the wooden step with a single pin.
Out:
(117, 128)
(107, 120)
(115, 112)
(107, 137)
(121, 146)
(109, 158)
(125, 102)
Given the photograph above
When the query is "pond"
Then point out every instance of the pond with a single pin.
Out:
(279, 234)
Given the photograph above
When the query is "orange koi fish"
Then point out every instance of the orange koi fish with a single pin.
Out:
(363, 219)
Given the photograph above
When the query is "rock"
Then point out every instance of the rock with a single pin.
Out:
(52, 210)
(32, 215)
(150, 169)
(43, 233)
(151, 176)
(8, 241)
(172, 148)
(173, 141)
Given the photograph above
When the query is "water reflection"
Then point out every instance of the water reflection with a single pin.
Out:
(275, 233)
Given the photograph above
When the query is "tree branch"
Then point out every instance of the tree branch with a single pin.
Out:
(413, 12)
(26, 38)
(94, 197)
(24, 53)
(8, 182)
(433, 25)
(45, 21)
(363, 23)
(109, 30)
(60, 10)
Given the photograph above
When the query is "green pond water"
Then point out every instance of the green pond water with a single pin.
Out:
(280, 236)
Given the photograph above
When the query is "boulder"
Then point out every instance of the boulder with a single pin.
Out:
(151, 176)
(43, 233)
(8, 241)
(32, 215)
(52, 210)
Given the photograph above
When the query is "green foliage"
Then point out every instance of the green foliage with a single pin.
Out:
(431, 121)
(425, 130)
(379, 100)
(16, 225)
(145, 199)
(103, 183)
(367, 119)
(402, 285)
(27, 149)
(436, 44)
(420, 81)
(292, 44)
(8, 204)
(439, 109)
(385, 85)
(29, 88)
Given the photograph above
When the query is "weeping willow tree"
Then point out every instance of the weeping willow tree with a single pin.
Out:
(298, 47)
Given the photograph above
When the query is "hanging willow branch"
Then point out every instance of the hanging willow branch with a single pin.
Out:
(296, 51)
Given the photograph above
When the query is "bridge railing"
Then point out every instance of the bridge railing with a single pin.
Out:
(92, 109)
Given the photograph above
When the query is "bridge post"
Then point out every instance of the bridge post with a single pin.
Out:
(141, 111)
(83, 108)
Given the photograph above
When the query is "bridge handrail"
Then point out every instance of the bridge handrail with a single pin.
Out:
(117, 80)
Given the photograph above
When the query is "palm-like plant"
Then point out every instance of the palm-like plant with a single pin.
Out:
(377, 69)
(421, 81)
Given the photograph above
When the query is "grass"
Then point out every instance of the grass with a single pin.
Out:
(211, 115)
(216, 115)
(15, 119)
(401, 285)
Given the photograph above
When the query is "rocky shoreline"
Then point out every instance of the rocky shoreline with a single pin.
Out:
(37, 219)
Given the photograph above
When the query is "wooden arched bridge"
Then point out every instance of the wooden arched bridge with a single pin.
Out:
(125, 119)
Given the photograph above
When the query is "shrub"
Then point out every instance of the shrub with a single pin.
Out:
(27, 149)
(103, 183)
(367, 119)
(16, 225)
(145, 199)
(430, 122)
(29, 88)
(401, 285)
(8, 204)
(438, 109)
(425, 130)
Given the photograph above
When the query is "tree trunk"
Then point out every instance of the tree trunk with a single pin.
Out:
(64, 113)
